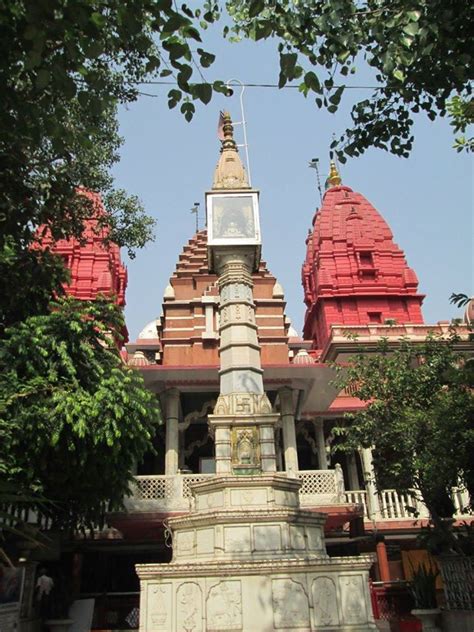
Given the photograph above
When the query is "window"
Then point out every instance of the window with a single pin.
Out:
(375, 317)
(366, 259)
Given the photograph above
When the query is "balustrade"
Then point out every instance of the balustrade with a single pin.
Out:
(319, 487)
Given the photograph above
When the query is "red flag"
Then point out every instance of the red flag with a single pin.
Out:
(220, 126)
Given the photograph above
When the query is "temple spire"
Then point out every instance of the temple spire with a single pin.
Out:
(334, 179)
(230, 172)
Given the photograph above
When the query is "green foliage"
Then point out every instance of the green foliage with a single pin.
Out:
(73, 418)
(423, 587)
(64, 68)
(419, 418)
(461, 111)
(421, 54)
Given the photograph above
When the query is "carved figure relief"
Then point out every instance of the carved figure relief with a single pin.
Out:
(353, 601)
(224, 607)
(290, 604)
(159, 600)
(325, 602)
(245, 447)
(189, 607)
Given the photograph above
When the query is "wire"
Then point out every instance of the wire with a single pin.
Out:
(263, 85)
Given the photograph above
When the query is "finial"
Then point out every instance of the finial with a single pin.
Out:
(334, 179)
(230, 172)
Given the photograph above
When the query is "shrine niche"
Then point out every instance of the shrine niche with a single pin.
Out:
(245, 450)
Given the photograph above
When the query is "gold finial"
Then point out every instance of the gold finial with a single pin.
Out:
(230, 172)
(334, 179)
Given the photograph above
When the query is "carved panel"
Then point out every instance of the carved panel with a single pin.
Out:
(243, 404)
(236, 539)
(224, 607)
(325, 602)
(189, 607)
(245, 446)
(315, 540)
(290, 604)
(246, 497)
(267, 538)
(205, 541)
(353, 599)
(159, 604)
(297, 539)
(184, 542)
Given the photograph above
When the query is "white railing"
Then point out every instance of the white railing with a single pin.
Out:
(174, 492)
(395, 506)
(319, 487)
(357, 497)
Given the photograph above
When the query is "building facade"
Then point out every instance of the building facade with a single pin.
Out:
(356, 280)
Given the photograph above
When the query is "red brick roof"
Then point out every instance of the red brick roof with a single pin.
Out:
(354, 273)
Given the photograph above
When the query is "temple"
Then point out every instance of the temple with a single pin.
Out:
(93, 262)
(249, 412)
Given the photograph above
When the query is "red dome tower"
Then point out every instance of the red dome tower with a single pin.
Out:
(354, 273)
(95, 265)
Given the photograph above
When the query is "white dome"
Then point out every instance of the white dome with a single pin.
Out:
(149, 331)
(169, 292)
(292, 333)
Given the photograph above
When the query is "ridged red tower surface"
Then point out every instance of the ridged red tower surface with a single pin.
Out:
(95, 267)
(354, 273)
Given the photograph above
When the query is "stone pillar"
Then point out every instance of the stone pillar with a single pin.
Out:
(321, 444)
(243, 421)
(373, 506)
(267, 445)
(222, 445)
(382, 559)
(239, 351)
(352, 473)
(172, 432)
(288, 428)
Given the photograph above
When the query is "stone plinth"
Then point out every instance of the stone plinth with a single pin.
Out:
(247, 518)
(249, 559)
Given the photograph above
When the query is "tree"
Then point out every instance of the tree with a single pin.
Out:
(419, 419)
(420, 52)
(64, 68)
(73, 418)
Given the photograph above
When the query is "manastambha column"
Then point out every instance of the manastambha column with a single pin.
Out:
(247, 557)
(243, 423)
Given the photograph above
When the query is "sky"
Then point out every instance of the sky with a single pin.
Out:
(426, 199)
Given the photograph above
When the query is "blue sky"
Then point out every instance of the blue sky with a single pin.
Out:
(427, 199)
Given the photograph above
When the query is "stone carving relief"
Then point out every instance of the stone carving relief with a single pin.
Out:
(158, 602)
(290, 604)
(353, 602)
(325, 602)
(224, 607)
(245, 447)
(189, 607)
(243, 404)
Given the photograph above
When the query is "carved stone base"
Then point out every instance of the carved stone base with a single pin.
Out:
(249, 559)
